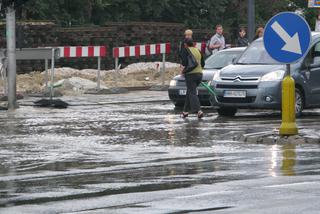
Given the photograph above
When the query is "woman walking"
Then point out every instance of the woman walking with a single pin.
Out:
(193, 79)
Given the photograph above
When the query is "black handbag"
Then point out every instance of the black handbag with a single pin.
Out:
(192, 62)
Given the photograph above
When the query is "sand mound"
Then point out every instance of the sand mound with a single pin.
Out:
(134, 75)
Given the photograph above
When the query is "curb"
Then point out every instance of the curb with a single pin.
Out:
(272, 137)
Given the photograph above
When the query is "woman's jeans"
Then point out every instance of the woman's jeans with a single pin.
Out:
(192, 103)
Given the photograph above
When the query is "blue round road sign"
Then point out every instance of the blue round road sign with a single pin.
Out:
(287, 37)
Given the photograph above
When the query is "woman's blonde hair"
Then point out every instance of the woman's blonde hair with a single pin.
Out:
(259, 30)
(188, 32)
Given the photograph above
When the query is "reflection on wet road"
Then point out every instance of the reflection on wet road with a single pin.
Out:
(131, 158)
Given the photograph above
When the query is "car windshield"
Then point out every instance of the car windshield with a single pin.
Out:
(256, 54)
(221, 59)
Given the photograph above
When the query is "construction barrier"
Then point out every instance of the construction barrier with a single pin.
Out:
(52, 53)
(85, 52)
(142, 50)
(46, 53)
(201, 46)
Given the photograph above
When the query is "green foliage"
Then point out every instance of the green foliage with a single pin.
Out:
(194, 13)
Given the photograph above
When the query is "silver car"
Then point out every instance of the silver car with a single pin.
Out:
(254, 81)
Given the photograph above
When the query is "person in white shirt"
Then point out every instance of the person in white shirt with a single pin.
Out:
(217, 42)
(317, 27)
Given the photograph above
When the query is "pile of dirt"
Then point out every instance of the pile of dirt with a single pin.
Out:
(27, 83)
(76, 85)
(134, 75)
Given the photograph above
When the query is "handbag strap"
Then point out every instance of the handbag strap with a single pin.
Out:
(189, 52)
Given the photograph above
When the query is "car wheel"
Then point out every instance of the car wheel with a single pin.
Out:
(299, 103)
(227, 112)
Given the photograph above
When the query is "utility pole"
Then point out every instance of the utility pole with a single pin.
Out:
(251, 20)
(11, 56)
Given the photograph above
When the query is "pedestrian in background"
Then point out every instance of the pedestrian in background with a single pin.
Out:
(217, 42)
(187, 35)
(242, 40)
(259, 33)
(317, 27)
(193, 80)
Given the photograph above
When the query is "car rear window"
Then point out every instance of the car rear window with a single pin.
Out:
(221, 59)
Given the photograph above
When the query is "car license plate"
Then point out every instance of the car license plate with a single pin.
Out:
(182, 92)
(235, 94)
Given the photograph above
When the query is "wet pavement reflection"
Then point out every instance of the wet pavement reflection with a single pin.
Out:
(52, 158)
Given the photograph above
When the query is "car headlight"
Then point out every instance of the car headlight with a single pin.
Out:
(273, 76)
(173, 83)
(216, 76)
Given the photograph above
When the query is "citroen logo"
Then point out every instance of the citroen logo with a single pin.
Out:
(237, 79)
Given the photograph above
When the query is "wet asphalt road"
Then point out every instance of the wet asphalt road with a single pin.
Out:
(117, 154)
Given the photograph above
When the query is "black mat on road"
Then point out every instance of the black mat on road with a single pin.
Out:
(47, 103)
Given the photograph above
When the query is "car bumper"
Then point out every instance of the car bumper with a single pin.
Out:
(177, 98)
(259, 95)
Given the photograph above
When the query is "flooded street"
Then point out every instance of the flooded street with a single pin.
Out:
(119, 154)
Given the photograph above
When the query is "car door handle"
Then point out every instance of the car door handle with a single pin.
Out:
(314, 69)
(308, 73)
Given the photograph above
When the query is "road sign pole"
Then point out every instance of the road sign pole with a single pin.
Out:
(287, 43)
(99, 74)
(115, 78)
(11, 54)
(251, 19)
(163, 69)
(46, 73)
(288, 70)
(288, 126)
(52, 75)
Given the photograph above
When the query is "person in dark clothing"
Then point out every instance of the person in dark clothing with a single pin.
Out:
(193, 80)
(242, 41)
(182, 50)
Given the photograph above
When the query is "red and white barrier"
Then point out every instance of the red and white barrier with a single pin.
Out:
(201, 46)
(141, 50)
(86, 52)
(83, 51)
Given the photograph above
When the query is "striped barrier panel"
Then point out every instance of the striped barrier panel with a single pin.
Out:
(82, 51)
(142, 50)
(201, 46)
(85, 52)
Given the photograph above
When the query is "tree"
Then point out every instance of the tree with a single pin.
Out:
(194, 13)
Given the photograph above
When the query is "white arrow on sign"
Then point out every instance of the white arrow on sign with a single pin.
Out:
(292, 43)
